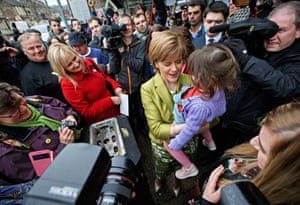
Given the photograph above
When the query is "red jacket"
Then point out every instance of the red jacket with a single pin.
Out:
(91, 98)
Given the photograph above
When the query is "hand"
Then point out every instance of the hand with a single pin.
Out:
(121, 50)
(66, 136)
(72, 119)
(116, 100)
(12, 52)
(239, 50)
(118, 92)
(104, 43)
(211, 192)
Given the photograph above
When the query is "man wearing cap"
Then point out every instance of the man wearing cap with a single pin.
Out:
(78, 41)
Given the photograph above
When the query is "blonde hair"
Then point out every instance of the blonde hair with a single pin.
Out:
(214, 66)
(58, 53)
(279, 181)
(166, 44)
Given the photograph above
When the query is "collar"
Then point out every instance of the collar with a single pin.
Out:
(87, 54)
(198, 33)
(217, 38)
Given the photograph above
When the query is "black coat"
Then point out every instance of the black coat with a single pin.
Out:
(265, 84)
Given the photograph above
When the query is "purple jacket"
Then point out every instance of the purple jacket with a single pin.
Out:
(15, 164)
(196, 112)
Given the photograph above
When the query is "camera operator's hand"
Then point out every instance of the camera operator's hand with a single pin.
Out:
(121, 50)
(212, 193)
(104, 43)
(239, 50)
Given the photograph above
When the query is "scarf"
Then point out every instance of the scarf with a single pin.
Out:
(37, 119)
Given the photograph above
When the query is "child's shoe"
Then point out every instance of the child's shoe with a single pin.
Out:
(184, 173)
(210, 145)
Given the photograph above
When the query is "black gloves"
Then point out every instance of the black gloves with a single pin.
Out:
(239, 50)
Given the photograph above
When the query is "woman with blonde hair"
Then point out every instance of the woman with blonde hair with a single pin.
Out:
(93, 94)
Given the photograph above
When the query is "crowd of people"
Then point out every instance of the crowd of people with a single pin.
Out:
(189, 88)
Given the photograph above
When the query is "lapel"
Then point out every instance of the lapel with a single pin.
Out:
(162, 90)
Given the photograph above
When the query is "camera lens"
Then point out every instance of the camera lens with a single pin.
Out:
(119, 183)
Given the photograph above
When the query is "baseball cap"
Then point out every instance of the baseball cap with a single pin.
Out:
(76, 38)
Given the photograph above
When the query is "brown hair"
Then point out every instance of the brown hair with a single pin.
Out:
(188, 38)
(8, 102)
(214, 66)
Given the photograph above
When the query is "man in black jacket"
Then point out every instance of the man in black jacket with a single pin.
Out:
(126, 64)
(37, 76)
(265, 83)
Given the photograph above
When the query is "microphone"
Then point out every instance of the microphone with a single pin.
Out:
(219, 28)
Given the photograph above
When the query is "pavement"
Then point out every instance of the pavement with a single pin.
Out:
(145, 189)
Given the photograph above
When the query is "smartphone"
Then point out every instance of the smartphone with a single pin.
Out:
(40, 160)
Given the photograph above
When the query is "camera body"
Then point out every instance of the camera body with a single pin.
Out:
(84, 174)
(252, 31)
(69, 124)
(112, 31)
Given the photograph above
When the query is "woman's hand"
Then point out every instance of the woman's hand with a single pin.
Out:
(175, 129)
(211, 192)
(116, 100)
(71, 118)
(66, 136)
(118, 92)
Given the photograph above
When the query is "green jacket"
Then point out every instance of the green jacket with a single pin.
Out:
(158, 106)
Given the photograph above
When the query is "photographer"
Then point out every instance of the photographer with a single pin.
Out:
(265, 83)
(12, 60)
(29, 124)
(94, 25)
(126, 64)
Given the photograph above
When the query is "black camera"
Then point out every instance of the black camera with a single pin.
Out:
(112, 31)
(85, 174)
(252, 31)
(120, 181)
(69, 124)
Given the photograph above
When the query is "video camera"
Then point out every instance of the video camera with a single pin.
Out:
(252, 31)
(112, 31)
(85, 174)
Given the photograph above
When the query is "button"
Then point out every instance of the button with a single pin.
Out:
(48, 141)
